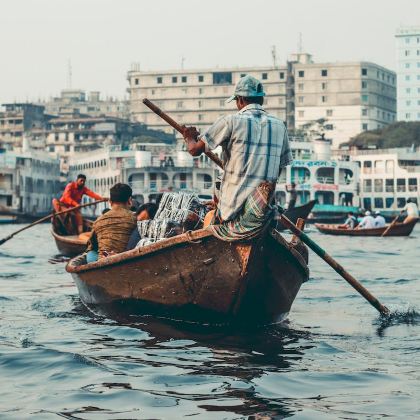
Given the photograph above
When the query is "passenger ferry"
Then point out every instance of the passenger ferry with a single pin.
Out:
(29, 180)
(388, 177)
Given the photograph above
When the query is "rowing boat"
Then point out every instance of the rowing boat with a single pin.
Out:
(69, 245)
(195, 276)
(399, 229)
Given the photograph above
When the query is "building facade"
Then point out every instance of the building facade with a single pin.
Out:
(352, 97)
(408, 70)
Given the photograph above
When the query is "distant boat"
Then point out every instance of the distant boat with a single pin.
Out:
(69, 245)
(330, 213)
(399, 229)
(197, 277)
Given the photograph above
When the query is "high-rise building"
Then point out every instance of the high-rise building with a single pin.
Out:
(408, 70)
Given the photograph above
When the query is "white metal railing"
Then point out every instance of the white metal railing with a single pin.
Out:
(325, 179)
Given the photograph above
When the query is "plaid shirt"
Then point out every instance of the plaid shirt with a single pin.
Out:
(255, 147)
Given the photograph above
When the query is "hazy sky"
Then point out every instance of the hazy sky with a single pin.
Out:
(103, 37)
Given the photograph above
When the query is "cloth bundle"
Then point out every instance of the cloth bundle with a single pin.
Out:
(177, 213)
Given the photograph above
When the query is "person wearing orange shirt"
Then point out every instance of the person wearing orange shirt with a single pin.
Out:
(72, 197)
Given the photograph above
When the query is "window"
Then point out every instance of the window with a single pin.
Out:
(184, 79)
(323, 85)
(379, 203)
(300, 99)
(324, 73)
(364, 127)
(407, 40)
(408, 115)
(412, 184)
(222, 103)
(136, 81)
(159, 80)
(407, 90)
(389, 166)
(379, 185)
(389, 201)
(301, 114)
(200, 117)
(174, 79)
(200, 103)
(324, 98)
(222, 78)
(389, 185)
(243, 74)
(367, 185)
(180, 104)
(367, 203)
(365, 112)
(200, 78)
(407, 77)
(364, 85)
(329, 112)
(329, 127)
(407, 53)
(400, 184)
(400, 202)
(301, 73)
(364, 72)
(264, 76)
(67, 148)
(56, 137)
(281, 74)
(300, 86)
(408, 103)
(365, 98)
(407, 65)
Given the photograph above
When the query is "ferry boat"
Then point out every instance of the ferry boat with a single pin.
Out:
(29, 180)
(388, 177)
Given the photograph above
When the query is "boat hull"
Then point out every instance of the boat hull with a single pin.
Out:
(399, 229)
(197, 277)
(301, 212)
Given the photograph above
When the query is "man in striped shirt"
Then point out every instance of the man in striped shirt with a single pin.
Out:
(255, 148)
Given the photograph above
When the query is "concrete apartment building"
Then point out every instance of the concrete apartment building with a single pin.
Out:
(76, 100)
(16, 119)
(408, 70)
(352, 96)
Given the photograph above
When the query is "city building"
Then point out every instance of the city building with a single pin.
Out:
(351, 97)
(29, 180)
(408, 70)
(76, 100)
(16, 119)
(388, 177)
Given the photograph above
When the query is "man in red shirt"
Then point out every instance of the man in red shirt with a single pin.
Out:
(72, 196)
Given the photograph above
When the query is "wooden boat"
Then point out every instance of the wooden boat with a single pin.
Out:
(399, 229)
(69, 245)
(196, 277)
(300, 212)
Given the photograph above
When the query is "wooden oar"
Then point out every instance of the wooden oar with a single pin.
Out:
(43, 219)
(179, 128)
(391, 225)
(335, 265)
(286, 222)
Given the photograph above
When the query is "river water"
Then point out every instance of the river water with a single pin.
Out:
(335, 358)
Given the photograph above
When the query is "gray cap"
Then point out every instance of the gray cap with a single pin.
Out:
(247, 86)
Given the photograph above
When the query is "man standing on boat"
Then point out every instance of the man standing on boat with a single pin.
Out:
(72, 197)
(293, 196)
(255, 148)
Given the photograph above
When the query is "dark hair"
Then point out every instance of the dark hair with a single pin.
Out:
(254, 99)
(120, 193)
(81, 176)
(351, 213)
(151, 209)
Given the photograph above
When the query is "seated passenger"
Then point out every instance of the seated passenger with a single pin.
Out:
(144, 212)
(368, 222)
(350, 222)
(379, 220)
(112, 230)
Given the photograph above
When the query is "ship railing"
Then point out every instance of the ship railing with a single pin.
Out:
(325, 179)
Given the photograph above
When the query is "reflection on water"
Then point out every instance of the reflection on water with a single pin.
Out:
(334, 358)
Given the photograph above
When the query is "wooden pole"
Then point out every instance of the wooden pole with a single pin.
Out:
(391, 225)
(179, 128)
(335, 265)
(43, 219)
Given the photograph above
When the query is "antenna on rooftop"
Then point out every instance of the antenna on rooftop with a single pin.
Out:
(69, 75)
(182, 62)
(274, 55)
(300, 43)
